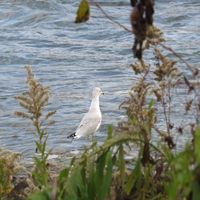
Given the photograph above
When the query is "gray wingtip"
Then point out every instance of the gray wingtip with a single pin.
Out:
(73, 135)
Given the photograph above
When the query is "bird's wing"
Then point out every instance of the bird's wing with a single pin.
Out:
(89, 124)
(88, 119)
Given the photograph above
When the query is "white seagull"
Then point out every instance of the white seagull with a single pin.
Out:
(92, 119)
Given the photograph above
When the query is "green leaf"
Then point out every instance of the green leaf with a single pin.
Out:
(110, 130)
(98, 179)
(63, 175)
(107, 177)
(197, 145)
(39, 146)
(151, 103)
(135, 175)
(62, 183)
(171, 190)
(83, 12)
(76, 186)
(195, 191)
(121, 162)
(44, 195)
(181, 175)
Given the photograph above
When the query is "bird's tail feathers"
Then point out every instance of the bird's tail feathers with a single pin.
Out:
(73, 135)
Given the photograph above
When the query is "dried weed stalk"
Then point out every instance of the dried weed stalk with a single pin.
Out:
(9, 167)
(33, 102)
(152, 100)
(158, 82)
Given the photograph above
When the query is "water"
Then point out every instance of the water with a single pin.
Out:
(73, 58)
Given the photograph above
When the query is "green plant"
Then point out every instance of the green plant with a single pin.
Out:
(87, 177)
(155, 170)
(33, 101)
(9, 166)
(185, 173)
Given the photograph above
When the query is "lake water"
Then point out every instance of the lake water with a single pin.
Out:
(73, 58)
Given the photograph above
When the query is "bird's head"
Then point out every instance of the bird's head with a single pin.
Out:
(97, 92)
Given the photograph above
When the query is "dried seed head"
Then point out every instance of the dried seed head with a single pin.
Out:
(139, 67)
(34, 100)
(188, 105)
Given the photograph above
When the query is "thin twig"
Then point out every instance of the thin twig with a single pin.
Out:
(109, 17)
(193, 70)
(165, 113)
(169, 104)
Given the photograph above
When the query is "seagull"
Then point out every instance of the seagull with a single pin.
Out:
(92, 119)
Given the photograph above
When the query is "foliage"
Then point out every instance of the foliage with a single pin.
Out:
(87, 180)
(88, 177)
(185, 174)
(9, 167)
(33, 102)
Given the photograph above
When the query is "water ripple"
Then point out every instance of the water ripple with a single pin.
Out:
(73, 58)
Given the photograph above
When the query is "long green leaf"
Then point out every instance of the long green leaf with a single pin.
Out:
(99, 174)
(135, 175)
(76, 184)
(107, 177)
(121, 162)
(41, 196)
(195, 191)
(91, 180)
(110, 130)
(197, 145)
(62, 183)
(101, 161)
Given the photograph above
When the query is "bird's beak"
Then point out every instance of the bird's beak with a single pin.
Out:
(102, 93)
